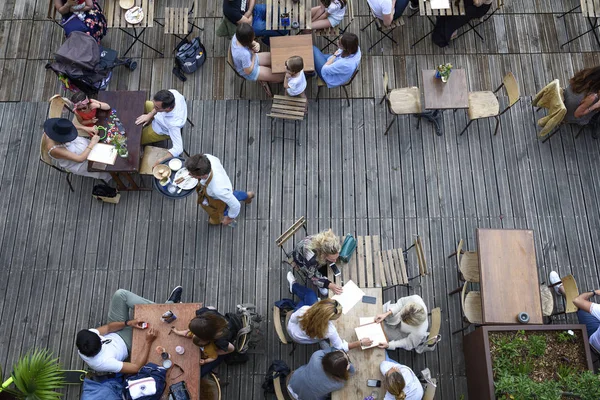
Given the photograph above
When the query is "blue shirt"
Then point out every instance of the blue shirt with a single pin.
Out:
(341, 70)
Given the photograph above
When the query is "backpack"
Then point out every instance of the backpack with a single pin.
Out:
(278, 368)
(246, 332)
(106, 389)
(148, 384)
(104, 191)
(190, 56)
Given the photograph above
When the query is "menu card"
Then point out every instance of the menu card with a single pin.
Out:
(103, 153)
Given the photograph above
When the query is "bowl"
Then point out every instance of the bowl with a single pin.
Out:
(134, 15)
(161, 171)
(126, 4)
(175, 164)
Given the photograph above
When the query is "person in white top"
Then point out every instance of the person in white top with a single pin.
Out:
(388, 10)
(168, 113)
(588, 313)
(215, 191)
(106, 348)
(400, 382)
(329, 14)
(405, 323)
(295, 81)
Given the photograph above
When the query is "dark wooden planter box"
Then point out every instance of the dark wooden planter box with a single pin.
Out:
(478, 362)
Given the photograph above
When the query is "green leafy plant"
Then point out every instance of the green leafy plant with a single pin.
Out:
(585, 385)
(36, 376)
(565, 337)
(537, 345)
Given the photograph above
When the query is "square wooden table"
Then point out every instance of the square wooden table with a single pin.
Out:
(508, 276)
(129, 106)
(367, 361)
(284, 47)
(115, 18)
(189, 361)
(445, 96)
(298, 12)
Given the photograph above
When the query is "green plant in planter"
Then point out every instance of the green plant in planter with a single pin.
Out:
(537, 345)
(565, 337)
(35, 376)
(585, 385)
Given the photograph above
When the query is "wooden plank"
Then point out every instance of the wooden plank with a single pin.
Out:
(369, 261)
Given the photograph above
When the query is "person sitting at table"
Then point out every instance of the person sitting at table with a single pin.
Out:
(405, 323)
(337, 69)
(399, 381)
(313, 254)
(581, 97)
(328, 14)
(213, 333)
(85, 110)
(387, 10)
(215, 192)
(588, 313)
(69, 150)
(311, 320)
(326, 372)
(446, 27)
(168, 113)
(247, 59)
(248, 12)
(106, 348)
(295, 80)
(93, 17)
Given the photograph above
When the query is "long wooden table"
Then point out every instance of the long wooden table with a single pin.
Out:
(189, 361)
(367, 361)
(508, 276)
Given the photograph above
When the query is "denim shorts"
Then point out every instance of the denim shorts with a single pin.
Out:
(333, 21)
(253, 76)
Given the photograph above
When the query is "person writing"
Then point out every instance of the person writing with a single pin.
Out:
(404, 323)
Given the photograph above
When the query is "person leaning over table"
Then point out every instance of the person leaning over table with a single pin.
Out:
(215, 192)
(337, 69)
(388, 10)
(404, 323)
(164, 117)
(106, 348)
(69, 150)
(247, 59)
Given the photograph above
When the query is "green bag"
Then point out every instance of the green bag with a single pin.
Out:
(348, 248)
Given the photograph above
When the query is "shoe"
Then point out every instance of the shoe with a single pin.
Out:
(324, 291)
(175, 296)
(251, 196)
(554, 278)
(291, 279)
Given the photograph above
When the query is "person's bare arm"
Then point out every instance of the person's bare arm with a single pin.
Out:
(145, 119)
(388, 18)
(245, 20)
(61, 152)
(89, 4)
(248, 13)
(132, 368)
(583, 300)
(64, 8)
(585, 107)
(361, 342)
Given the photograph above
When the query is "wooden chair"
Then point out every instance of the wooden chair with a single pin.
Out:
(281, 392)
(471, 307)
(400, 101)
(265, 85)
(547, 300)
(287, 235)
(180, 20)
(385, 31)
(287, 108)
(571, 292)
(336, 32)
(468, 266)
(57, 106)
(210, 388)
(393, 263)
(485, 104)
(281, 330)
(433, 337)
(321, 83)
(51, 15)
(429, 389)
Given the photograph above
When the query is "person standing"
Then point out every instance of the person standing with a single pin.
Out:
(215, 191)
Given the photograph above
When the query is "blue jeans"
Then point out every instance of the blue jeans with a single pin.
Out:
(241, 196)
(590, 322)
(307, 296)
(399, 9)
(320, 60)
(206, 368)
(259, 24)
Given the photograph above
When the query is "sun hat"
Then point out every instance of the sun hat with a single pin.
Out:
(60, 130)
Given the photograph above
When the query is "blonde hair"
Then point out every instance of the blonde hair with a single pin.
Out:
(315, 322)
(324, 244)
(394, 381)
(413, 314)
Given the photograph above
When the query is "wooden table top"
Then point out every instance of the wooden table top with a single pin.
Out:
(115, 15)
(509, 280)
(367, 361)
(129, 106)
(445, 96)
(590, 8)
(284, 47)
(455, 9)
(299, 12)
(189, 361)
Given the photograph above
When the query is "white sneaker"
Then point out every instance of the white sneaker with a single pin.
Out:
(554, 278)
(324, 291)
(291, 280)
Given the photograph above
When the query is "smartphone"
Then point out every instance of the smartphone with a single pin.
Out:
(369, 299)
(335, 269)
(373, 383)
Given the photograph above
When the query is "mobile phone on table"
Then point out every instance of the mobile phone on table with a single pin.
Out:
(335, 269)
(373, 383)
(369, 299)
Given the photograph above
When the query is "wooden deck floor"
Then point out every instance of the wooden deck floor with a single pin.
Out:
(63, 253)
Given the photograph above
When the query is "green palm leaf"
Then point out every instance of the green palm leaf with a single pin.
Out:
(37, 375)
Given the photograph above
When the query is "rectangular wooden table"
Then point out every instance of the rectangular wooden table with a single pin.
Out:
(284, 47)
(508, 276)
(129, 106)
(367, 361)
(115, 18)
(298, 12)
(189, 361)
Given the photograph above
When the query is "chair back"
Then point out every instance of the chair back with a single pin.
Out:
(352, 77)
(210, 388)
(459, 252)
(429, 390)
(51, 10)
(512, 88)
(350, 11)
(44, 156)
(420, 256)
(57, 104)
(436, 323)
(230, 62)
(289, 232)
(386, 87)
(463, 296)
(571, 292)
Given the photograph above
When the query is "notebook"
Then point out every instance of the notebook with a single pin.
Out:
(351, 295)
(440, 4)
(373, 331)
(103, 153)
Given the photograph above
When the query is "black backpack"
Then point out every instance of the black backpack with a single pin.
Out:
(189, 56)
(245, 327)
(104, 191)
(277, 369)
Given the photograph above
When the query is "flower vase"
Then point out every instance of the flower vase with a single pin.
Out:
(445, 77)
(123, 152)
(437, 74)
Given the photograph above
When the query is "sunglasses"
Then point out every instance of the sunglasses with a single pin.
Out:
(336, 305)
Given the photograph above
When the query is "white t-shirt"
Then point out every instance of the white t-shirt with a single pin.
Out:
(595, 337)
(381, 7)
(111, 356)
(242, 56)
(170, 123)
(220, 186)
(299, 336)
(413, 389)
(336, 10)
(296, 84)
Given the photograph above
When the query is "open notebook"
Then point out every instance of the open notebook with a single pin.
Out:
(373, 331)
(349, 297)
(103, 153)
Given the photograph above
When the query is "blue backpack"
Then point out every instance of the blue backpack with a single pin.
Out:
(153, 371)
(107, 389)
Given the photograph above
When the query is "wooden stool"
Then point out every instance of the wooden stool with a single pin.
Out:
(290, 108)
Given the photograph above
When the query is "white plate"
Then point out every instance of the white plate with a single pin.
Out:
(134, 15)
(175, 164)
(189, 183)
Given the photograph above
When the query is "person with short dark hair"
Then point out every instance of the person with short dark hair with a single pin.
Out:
(248, 12)
(337, 69)
(106, 348)
(215, 191)
(164, 117)
(326, 372)
(295, 80)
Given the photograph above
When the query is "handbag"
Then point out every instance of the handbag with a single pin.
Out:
(178, 391)
(73, 23)
(190, 55)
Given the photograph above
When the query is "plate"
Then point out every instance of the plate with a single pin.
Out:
(126, 4)
(189, 183)
(175, 164)
(134, 15)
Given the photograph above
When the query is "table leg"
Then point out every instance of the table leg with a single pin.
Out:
(435, 117)
(136, 38)
(118, 181)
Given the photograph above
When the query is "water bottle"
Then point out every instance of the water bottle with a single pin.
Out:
(233, 224)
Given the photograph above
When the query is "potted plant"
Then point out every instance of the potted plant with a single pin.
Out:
(35, 376)
(120, 143)
(443, 72)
